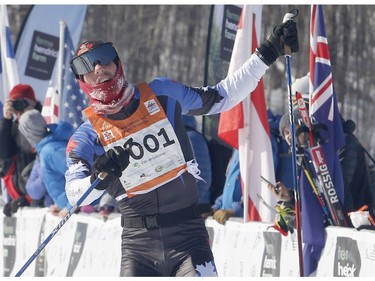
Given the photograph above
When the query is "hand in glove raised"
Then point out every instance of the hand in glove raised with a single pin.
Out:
(284, 35)
(113, 162)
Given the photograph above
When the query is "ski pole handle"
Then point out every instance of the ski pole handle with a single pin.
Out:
(100, 177)
(289, 16)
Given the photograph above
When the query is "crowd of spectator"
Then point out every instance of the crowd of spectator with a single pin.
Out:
(32, 164)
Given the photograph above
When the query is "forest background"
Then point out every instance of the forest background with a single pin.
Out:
(171, 41)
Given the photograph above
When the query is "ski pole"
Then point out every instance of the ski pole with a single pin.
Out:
(291, 16)
(100, 177)
(294, 169)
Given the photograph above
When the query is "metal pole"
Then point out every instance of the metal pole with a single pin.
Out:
(296, 189)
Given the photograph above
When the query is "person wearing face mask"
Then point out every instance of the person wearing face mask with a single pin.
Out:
(135, 134)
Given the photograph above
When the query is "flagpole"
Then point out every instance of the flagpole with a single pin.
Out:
(294, 167)
(245, 135)
(2, 48)
(10, 76)
(60, 63)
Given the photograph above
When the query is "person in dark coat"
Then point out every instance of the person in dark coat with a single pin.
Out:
(357, 185)
(15, 151)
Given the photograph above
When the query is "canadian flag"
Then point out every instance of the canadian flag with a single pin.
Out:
(245, 127)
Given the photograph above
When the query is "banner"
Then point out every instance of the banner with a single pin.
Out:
(222, 32)
(88, 246)
(8, 68)
(38, 43)
(246, 126)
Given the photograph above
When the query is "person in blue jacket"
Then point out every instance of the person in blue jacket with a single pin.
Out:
(282, 158)
(230, 203)
(134, 135)
(36, 188)
(50, 143)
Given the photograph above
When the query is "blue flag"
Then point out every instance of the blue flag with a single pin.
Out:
(73, 99)
(323, 107)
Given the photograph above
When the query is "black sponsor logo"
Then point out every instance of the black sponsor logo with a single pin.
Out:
(271, 255)
(229, 29)
(347, 262)
(9, 244)
(79, 242)
(43, 54)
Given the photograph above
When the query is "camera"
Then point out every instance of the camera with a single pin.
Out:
(20, 105)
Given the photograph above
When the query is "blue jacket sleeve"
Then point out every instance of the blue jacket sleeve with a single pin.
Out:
(237, 208)
(35, 186)
(218, 203)
(54, 167)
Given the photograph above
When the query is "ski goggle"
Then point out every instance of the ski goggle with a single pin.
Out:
(86, 62)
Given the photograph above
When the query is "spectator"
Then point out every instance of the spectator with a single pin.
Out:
(282, 157)
(15, 151)
(220, 153)
(36, 188)
(358, 187)
(202, 156)
(230, 204)
(50, 142)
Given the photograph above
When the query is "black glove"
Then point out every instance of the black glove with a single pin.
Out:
(273, 47)
(19, 202)
(7, 209)
(113, 162)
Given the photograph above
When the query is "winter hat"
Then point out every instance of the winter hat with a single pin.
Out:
(89, 45)
(33, 126)
(22, 91)
(284, 120)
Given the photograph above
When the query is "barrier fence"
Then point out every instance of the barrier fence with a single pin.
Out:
(89, 246)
